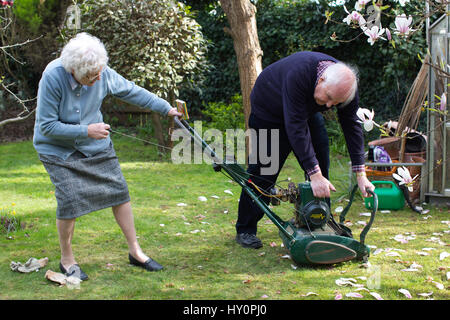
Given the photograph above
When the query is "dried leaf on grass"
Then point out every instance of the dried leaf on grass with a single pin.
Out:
(405, 292)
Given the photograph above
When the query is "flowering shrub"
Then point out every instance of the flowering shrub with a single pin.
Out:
(401, 18)
(6, 3)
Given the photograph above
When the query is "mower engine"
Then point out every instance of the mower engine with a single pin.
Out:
(310, 212)
(314, 237)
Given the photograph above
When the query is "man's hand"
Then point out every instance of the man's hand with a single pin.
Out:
(98, 130)
(364, 184)
(321, 186)
(174, 112)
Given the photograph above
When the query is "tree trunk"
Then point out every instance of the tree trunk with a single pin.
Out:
(158, 129)
(243, 30)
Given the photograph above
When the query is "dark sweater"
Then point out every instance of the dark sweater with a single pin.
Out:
(284, 94)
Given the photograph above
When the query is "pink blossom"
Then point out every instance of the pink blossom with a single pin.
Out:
(366, 118)
(388, 34)
(360, 4)
(373, 33)
(402, 25)
(404, 177)
(443, 105)
(354, 17)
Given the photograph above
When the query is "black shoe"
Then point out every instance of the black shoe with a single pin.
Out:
(149, 265)
(74, 271)
(248, 240)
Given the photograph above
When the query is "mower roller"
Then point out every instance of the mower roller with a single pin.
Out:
(313, 237)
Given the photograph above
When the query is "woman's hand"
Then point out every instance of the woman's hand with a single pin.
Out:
(174, 112)
(98, 130)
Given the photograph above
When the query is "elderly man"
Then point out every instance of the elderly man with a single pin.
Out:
(288, 97)
(74, 145)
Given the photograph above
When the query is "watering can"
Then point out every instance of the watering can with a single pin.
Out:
(390, 197)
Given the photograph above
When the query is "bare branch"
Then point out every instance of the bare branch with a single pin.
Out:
(17, 119)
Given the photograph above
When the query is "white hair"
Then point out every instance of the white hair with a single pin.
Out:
(84, 54)
(337, 73)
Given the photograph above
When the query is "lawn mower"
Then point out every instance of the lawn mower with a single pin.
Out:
(313, 237)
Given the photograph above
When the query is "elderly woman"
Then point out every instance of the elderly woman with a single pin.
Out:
(74, 145)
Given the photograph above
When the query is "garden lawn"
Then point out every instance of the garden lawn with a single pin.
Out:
(195, 242)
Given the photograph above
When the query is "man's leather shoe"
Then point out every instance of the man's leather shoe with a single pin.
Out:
(74, 271)
(149, 265)
(248, 240)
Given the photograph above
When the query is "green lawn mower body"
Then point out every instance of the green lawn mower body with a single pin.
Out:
(312, 237)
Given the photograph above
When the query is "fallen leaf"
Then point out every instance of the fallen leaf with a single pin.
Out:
(286, 256)
(376, 295)
(293, 267)
(181, 204)
(405, 293)
(345, 281)
(215, 197)
(339, 209)
(377, 251)
(425, 294)
(261, 254)
(338, 296)
(411, 270)
(354, 295)
(443, 255)
(393, 254)
(264, 296)
(309, 294)
(438, 285)
(273, 244)
(228, 191)
(202, 198)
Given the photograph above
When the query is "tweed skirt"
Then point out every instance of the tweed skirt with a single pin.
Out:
(86, 184)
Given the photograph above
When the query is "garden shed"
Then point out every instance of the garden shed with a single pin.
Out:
(437, 176)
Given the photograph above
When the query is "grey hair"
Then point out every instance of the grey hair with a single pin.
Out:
(84, 54)
(333, 75)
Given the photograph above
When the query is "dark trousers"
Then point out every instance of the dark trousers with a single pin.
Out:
(249, 213)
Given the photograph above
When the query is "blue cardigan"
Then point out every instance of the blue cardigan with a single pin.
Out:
(284, 94)
(65, 109)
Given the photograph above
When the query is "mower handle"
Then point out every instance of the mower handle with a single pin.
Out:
(363, 234)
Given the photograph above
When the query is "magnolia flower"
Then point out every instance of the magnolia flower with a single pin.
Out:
(388, 34)
(373, 33)
(366, 118)
(360, 4)
(354, 17)
(443, 104)
(402, 25)
(404, 177)
(403, 2)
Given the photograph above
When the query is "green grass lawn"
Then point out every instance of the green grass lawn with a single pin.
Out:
(195, 243)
